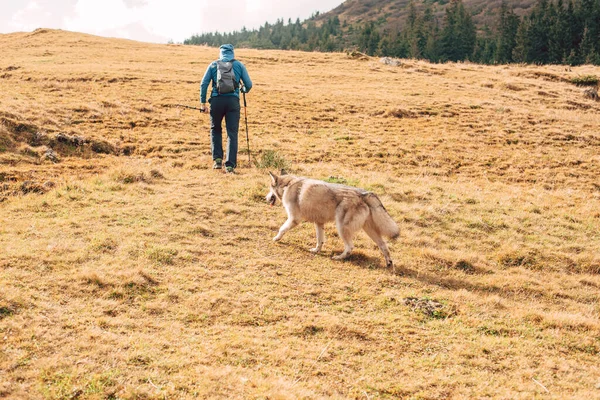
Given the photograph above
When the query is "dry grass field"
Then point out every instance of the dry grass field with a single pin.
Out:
(129, 269)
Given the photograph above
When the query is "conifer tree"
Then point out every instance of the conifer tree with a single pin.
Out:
(538, 34)
(412, 32)
(458, 35)
(508, 24)
(586, 48)
(522, 43)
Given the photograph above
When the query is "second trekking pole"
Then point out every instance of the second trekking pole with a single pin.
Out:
(246, 118)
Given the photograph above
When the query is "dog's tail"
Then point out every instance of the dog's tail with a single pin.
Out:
(380, 218)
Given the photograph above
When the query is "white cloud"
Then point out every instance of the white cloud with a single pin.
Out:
(152, 20)
(176, 19)
(96, 16)
(29, 17)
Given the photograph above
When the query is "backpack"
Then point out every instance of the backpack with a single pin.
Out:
(225, 77)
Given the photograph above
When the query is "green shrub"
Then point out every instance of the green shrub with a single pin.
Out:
(342, 181)
(272, 159)
(337, 179)
(585, 80)
(162, 255)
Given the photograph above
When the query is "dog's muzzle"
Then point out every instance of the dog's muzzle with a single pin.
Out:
(271, 199)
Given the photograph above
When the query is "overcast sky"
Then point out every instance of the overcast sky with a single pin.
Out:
(152, 20)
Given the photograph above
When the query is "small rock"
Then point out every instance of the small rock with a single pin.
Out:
(78, 140)
(51, 156)
(394, 62)
(37, 139)
(63, 138)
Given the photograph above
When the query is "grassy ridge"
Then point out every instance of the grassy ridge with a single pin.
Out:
(142, 273)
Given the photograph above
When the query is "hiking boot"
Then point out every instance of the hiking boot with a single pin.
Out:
(230, 170)
(218, 164)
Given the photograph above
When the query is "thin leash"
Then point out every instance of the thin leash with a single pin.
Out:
(182, 106)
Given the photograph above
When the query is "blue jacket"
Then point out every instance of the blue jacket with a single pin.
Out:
(239, 70)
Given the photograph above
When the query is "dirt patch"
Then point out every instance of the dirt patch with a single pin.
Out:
(103, 147)
(357, 55)
(400, 113)
(591, 93)
(573, 105)
(309, 331)
(128, 177)
(39, 31)
(72, 140)
(513, 87)
(61, 143)
(465, 266)
(547, 76)
(16, 126)
(12, 187)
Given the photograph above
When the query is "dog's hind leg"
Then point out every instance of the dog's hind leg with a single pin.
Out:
(347, 224)
(320, 238)
(287, 225)
(373, 234)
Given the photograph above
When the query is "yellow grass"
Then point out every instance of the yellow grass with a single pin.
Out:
(143, 273)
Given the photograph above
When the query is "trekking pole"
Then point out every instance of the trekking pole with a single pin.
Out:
(246, 118)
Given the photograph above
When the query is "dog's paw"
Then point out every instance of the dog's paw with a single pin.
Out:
(315, 250)
(340, 257)
(276, 238)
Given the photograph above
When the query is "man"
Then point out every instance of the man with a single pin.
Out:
(225, 74)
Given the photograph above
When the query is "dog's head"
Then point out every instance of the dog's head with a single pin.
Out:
(276, 188)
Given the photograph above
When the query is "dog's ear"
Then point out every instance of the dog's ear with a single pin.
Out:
(283, 171)
(273, 178)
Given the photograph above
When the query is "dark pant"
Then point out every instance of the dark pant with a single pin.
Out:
(227, 107)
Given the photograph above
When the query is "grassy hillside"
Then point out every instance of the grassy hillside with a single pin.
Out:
(130, 269)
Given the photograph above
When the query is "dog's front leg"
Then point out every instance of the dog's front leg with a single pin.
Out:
(289, 224)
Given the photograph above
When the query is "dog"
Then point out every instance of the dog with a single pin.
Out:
(319, 202)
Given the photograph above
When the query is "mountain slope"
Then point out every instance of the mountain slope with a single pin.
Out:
(394, 12)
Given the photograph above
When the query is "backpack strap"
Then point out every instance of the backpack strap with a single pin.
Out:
(236, 84)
